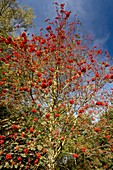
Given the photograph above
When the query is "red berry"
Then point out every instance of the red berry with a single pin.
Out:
(31, 130)
(8, 156)
(75, 155)
(47, 116)
(19, 159)
(96, 129)
(57, 115)
(72, 101)
(48, 28)
(33, 111)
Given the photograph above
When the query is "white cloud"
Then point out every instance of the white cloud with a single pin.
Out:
(102, 41)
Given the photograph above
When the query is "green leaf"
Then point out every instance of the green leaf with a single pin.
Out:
(39, 147)
(6, 165)
(23, 155)
(1, 157)
(33, 148)
(1, 166)
(16, 166)
(51, 151)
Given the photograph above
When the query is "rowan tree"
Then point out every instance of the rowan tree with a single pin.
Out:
(53, 87)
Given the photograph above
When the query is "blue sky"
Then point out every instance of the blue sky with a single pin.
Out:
(96, 17)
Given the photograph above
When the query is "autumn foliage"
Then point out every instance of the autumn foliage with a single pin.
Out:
(53, 97)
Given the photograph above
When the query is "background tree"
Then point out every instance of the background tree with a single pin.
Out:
(53, 87)
(13, 16)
